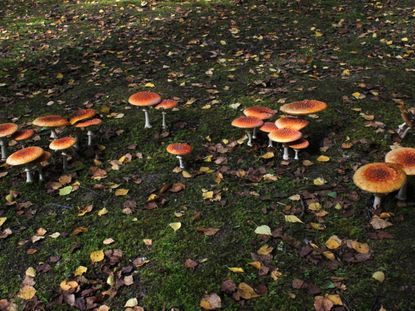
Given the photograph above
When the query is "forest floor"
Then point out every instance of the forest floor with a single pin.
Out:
(124, 201)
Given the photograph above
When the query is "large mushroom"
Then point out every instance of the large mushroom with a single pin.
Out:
(89, 124)
(406, 158)
(259, 112)
(285, 136)
(51, 121)
(62, 144)
(6, 129)
(247, 123)
(179, 150)
(380, 179)
(25, 157)
(145, 99)
(268, 127)
(164, 105)
(303, 107)
(291, 123)
(298, 145)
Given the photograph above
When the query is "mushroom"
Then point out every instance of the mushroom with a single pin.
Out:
(285, 136)
(52, 121)
(291, 123)
(380, 179)
(247, 123)
(298, 145)
(6, 129)
(303, 107)
(165, 104)
(179, 150)
(268, 127)
(61, 144)
(41, 163)
(89, 123)
(144, 99)
(25, 157)
(259, 112)
(82, 114)
(406, 158)
(23, 135)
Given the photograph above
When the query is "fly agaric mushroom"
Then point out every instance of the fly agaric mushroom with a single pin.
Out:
(144, 99)
(406, 158)
(298, 145)
(292, 123)
(25, 156)
(285, 136)
(303, 107)
(259, 112)
(41, 163)
(247, 123)
(268, 127)
(52, 121)
(89, 123)
(6, 129)
(380, 179)
(165, 104)
(23, 135)
(179, 150)
(62, 144)
(82, 114)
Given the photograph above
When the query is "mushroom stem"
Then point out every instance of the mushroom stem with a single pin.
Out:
(249, 143)
(401, 127)
(147, 124)
(41, 177)
(254, 133)
(401, 196)
(286, 155)
(296, 154)
(163, 122)
(181, 164)
(3, 150)
(270, 143)
(89, 134)
(405, 132)
(64, 161)
(53, 134)
(376, 202)
(29, 178)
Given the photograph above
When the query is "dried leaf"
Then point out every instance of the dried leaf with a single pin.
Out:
(97, 256)
(264, 229)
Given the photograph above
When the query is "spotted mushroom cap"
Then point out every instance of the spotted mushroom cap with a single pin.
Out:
(166, 104)
(7, 129)
(179, 149)
(82, 114)
(259, 112)
(144, 99)
(91, 122)
(23, 134)
(299, 144)
(404, 156)
(24, 156)
(291, 123)
(268, 127)
(62, 143)
(50, 121)
(247, 122)
(303, 107)
(285, 135)
(379, 177)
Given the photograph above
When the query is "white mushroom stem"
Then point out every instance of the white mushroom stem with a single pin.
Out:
(181, 164)
(401, 196)
(29, 178)
(64, 161)
(404, 132)
(376, 202)
(249, 143)
(3, 150)
(147, 124)
(163, 121)
(270, 143)
(41, 177)
(296, 154)
(286, 155)
(89, 134)
(53, 134)
(254, 133)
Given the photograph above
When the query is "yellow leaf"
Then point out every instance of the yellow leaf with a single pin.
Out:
(148, 242)
(175, 226)
(265, 250)
(80, 270)
(255, 264)
(335, 299)
(186, 174)
(131, 303)
(86, 209)
(362, 248)
(319, 181)
(295, 197)
(31, 272)
(236, 269)
(318, 34)
(315, 206)
(149, 84)
(292, 218)
(329, 255)
(333, 242)
(2, 220)
(207, 195)
(97, 256)
(27, 292)
(246, 291)
(317, 226)
(268, 155)
(264, 229)
(152, 197)
(59, 75)
(323, 158)
(121, 192)
(346, 72)
(205, 169)
(275, 274)
(102, 212)
(379, 276)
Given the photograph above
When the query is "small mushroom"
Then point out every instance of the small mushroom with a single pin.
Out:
(51, 121)
(291, 123)
(380, 179)
(62, 144)
(179, 150)
(144, 99)
(285, 136)
(303, 107)
(6, 129)
(406, 158)
(22, 136)
(259, 112)
(298, 145)
(268, 127)
(89, 123)
(25, 157)
(82, 114)
(164, 105)
(247, 123)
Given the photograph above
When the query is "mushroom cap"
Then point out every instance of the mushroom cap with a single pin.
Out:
(285, 135)
(292, 123)
(7, 129)
(50, 121)
(24, 156)
(379, 177)
(91, 122)
(23, 134)
(405, 157)
(44, 157)
(303, 107)
(62, 143)
(259, 112)
(82, 114)
(299, 144)
(179, 149)
(144, 99)
(166, 104)
(268, 127)
(247, 122)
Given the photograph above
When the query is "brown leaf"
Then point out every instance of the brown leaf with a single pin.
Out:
(208, 231)
(322, 303)
(190, 263)
(177, 187)
(246, 291)
(379, 223)
(228, 287)
(298, 284)
(211, 302)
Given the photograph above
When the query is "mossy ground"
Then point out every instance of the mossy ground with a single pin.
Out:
(218, 53)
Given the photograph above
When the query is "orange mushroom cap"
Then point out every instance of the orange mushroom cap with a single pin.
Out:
(24, 156)
(404, 156)
(23, 134)
(303, 107)
(268, 127)
(299, 144)
(62, 143)
(82, 114)
(7, 129)
(285, 135)
(247, 122)
(144, 99)
(179, 149)
(292, 123)
(259, 112)
(91, 122)
(166, 104)
(50, 121)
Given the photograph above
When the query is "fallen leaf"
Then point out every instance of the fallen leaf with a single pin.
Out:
(211, 302)
(379, 276)
(292, 219)
(97, 256)
(27, 292)
(31, 272)
(379, 223)
(319, 181)
(131, 303)
(264, 229)
(121, 192)
(323, 158)
(175, 226)
(80, 270)
(333, 242)
(2, 220)
(246, 291)
(236, 269)
(65, 190)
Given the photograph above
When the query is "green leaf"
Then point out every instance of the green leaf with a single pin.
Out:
(65, 190)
